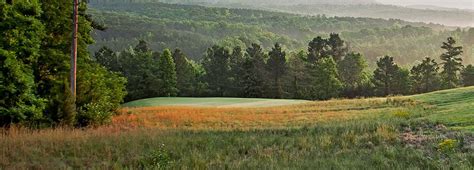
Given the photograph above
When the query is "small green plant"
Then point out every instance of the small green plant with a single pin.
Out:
(401, 114)
(159, 159)
(447, 145)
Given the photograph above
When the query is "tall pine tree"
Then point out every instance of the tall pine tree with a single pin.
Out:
(167, 74)
(325, 83)
(255, 74)
(186, 77)
(425, 76)
(452, 63)
(352, 72)
(385, 76)
(217, 70)
(277, 68)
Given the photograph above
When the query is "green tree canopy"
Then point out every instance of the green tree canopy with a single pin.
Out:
(167, 74)
(425, 76)
(452, 63)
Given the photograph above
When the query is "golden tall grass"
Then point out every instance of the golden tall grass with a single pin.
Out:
(174, 117)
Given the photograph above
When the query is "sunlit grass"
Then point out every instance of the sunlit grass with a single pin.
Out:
(394, 132)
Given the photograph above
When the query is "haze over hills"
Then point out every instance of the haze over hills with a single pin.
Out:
(193, 29)
(459, 4)
(386, 9)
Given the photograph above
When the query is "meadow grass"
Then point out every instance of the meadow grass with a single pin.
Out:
(414, 132)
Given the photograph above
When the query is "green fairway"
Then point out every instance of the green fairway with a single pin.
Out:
(453, 107)
(211, 102)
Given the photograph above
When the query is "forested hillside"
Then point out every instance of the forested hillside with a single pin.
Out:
(442, 16)
(352, 8)
(196, 28)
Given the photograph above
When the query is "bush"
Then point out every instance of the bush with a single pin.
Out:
(447, 145)
(158, 159)
(99, 94)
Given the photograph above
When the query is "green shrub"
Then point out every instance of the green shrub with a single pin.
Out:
(447, 145)
(159, 159)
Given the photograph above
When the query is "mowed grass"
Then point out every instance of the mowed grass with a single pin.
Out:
(214, 102)
(453, 107)
(394, 133)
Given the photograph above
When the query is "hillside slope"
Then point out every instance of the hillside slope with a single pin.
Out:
(377, 133)
(453, 107)
(351, 8)
(195, 28)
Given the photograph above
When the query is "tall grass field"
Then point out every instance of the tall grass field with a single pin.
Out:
(428, 131)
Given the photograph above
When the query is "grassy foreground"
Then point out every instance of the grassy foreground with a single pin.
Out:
(429, 131)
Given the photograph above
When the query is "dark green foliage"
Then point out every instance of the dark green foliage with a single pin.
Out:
(296, 78)
(467, 76)
(193, 29)
(237, 61)
(324, 81)
(21, 33)
(352, 72)
(425, 76)
(100, 94)
(317, 49)
(142, 73)
(142, 47)
(35, 49)
(167, 75)
(217, 68)
(255, 74)
(276, 68)
(108, 58)
(389, 78)
(452, 63)
(185, 74)
(67, 110)
(337, 47)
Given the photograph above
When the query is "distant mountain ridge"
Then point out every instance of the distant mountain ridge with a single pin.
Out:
(349, 8)
(268, 2)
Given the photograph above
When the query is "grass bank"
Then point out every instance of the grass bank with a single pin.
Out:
(429, 131)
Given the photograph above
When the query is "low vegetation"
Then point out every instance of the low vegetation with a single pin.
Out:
(413, 131)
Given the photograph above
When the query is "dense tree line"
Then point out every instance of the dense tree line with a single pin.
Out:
(34, 67)
(327, 69)
(34, 70)
(193, 29)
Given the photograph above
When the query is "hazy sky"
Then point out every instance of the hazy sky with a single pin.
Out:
(463, 4)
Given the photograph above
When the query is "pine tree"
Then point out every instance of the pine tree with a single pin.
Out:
(317, 49)
(108, 58)
(298, 76)
(425, 76)
(217, 70)
(237, 61)
(467, 76)
(21, 33)
(452, 63)
(167, 74)
(352, 74)
(402, 82)
(184, 73)
(325, 84)
(337, 47)
(277, 68)
(142, 47)
(141, 70)
(254, 73)
(385, 76)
